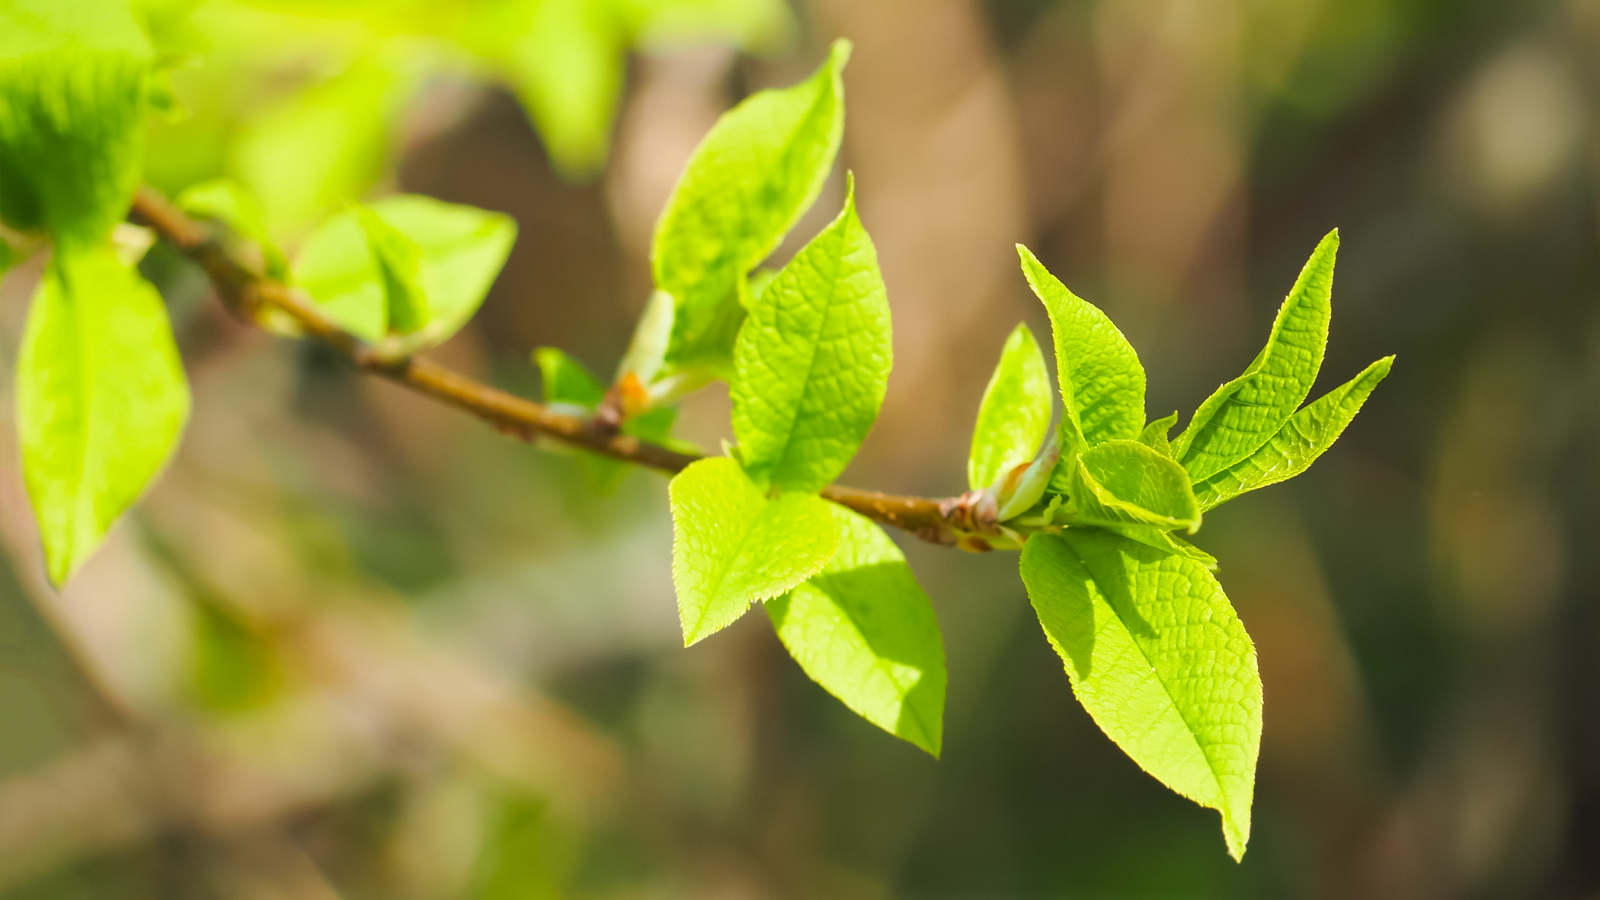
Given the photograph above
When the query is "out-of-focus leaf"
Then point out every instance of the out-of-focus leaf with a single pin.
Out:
(733, 546)
(232, 204)
(566, 65)
(101, 400)
(1101, 380)
(755, 25)
(1157, 656)
(461, 250)
(760, 167)
(527, 853)
(1015, 412)
(398, 261)
(73, 81)
(864, 630)
(324, 145)
(1246, 412)
(235, 667)
(813, 359)
(1300, 441)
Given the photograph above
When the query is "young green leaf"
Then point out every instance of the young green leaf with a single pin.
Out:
(358, 266)
(1301, 440)
(231, 203)
(864, 630)
(1160, 661)
(399, 265)
(101, 400)
(761, 166)
(1101, 380)
(1015, 412)
(312, 149)
(1244, 413)
(73, 82)
(1154, 434)
(1127, 483)
(648, 348)
(812, 361)
(567, 382)
(566, 62)
(733, 546)
(1018, 491)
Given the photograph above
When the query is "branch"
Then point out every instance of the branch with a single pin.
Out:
(248, 295)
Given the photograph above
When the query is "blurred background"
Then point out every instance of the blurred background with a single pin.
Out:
(355, 645)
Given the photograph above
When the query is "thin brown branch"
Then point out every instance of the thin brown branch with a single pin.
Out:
(251, 297)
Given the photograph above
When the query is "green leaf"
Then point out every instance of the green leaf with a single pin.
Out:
(1015, 413)
(1154, 434)
(463, 250)
(1301, 440)
(648, 348)
(566, 64)
(1125, 482)
(362, 274)
(1246, 412)
(1018, 491)
(73, 79)
(1157, 656)
(813, 359)
(231, 203)
(324, 144)
(733, 546)
(101, 400)
(398, 262)
(567, 382)
(756, 25)
(864, 630)
(1101, 380)
(760, 167)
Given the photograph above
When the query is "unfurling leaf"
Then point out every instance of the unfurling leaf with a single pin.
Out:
(732, 545)
(812, 360)
(1157, 656)
(405, 265)
(1127, 483)
(1246, 412)
(864, 630)
(760, 167)
(1154, 434)
(1101, 380)
(1300, 441)
(1015, 413)
(101, 400)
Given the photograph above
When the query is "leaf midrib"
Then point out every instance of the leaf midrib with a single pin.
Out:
(1189, 727)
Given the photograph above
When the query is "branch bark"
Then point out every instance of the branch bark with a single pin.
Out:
(248, 296)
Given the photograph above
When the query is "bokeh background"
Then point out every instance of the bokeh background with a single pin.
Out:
(355, 645)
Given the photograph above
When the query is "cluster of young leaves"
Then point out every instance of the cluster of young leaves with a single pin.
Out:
(1095, 501)
(101, 394)
(303, 143)
(1152, 646)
